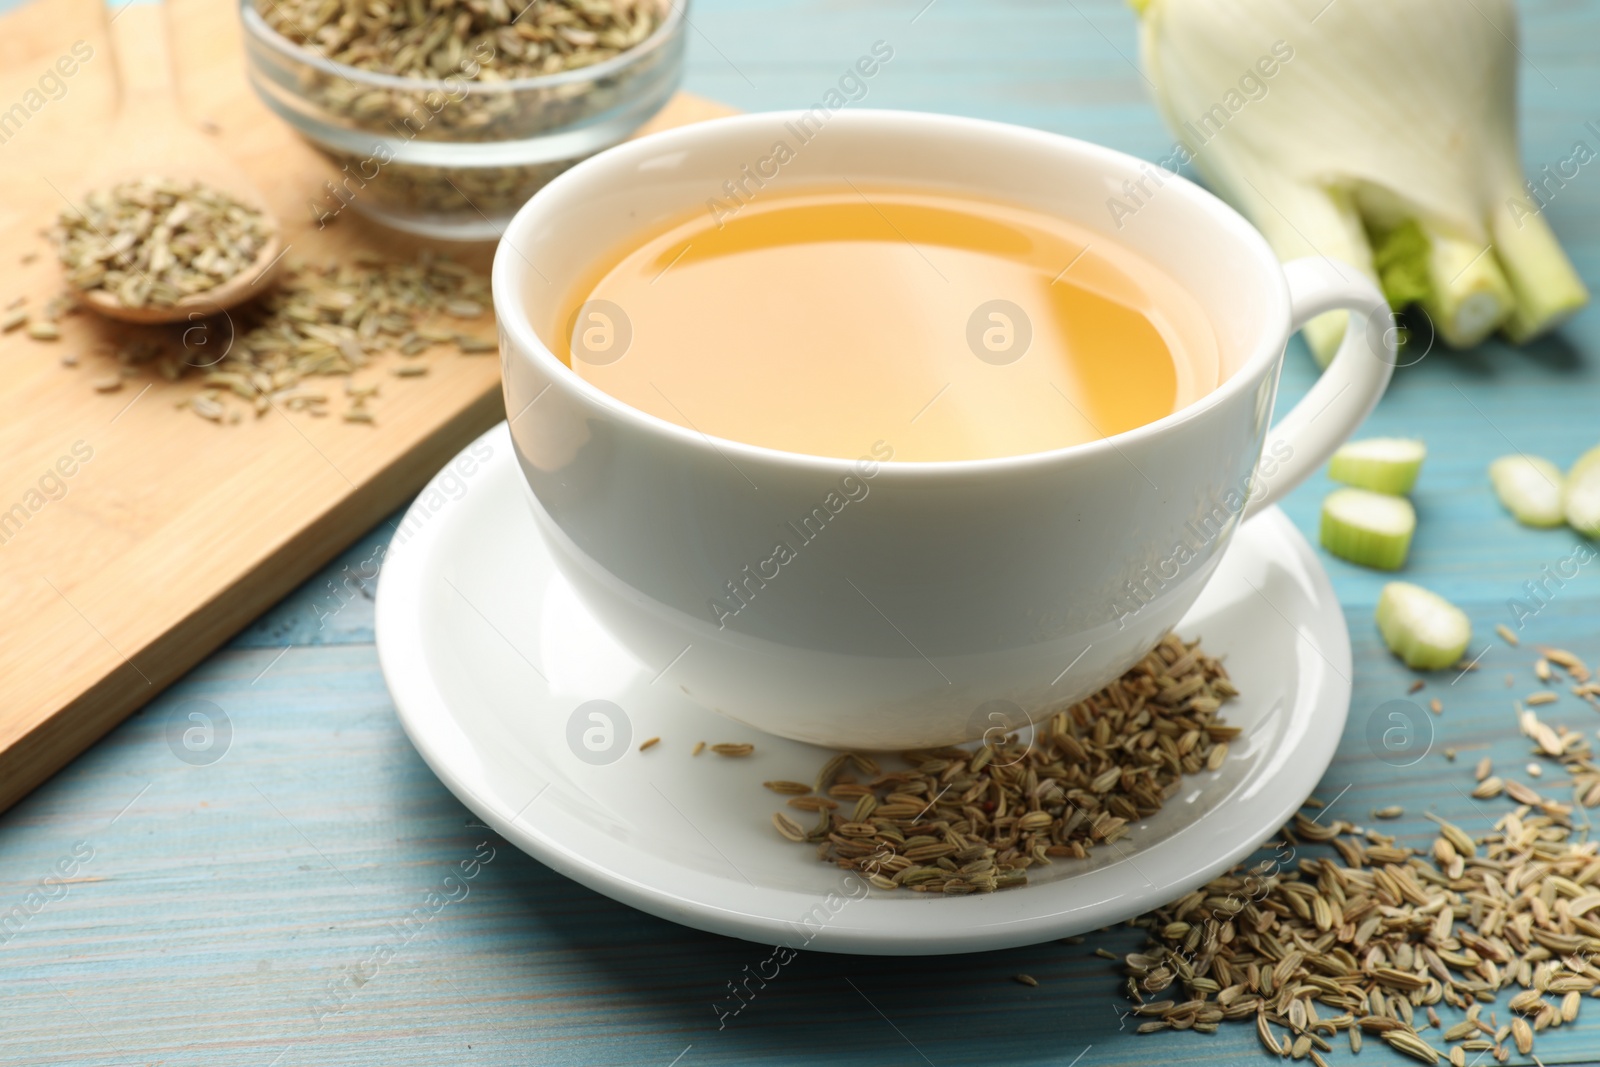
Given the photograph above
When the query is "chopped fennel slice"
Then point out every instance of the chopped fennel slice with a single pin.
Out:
(1368, 528)
(1530, 487)
(1424, 629)
(1382, 464)
(1582, 499)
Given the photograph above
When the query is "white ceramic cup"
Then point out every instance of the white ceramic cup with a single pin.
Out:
(925, 602)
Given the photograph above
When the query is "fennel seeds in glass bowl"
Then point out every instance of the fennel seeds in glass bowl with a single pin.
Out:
(444, 118)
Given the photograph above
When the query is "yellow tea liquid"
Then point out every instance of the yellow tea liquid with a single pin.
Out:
(950, 327)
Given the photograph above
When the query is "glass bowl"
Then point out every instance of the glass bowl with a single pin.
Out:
(455, 158)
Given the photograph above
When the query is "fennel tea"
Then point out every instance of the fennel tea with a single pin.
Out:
(950, 326)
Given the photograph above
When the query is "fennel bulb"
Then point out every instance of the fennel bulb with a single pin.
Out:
(1381, 133)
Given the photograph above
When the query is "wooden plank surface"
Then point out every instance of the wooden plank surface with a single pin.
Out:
(135, 538)
(228, 909)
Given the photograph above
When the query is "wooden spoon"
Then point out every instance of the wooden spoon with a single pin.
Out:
(152, 138)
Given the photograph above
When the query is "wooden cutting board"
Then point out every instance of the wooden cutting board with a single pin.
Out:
(135, 537)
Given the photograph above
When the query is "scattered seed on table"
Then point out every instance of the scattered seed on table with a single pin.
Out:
(410, 370)
(320, 320)
(69, 360)
(1573, 664)
(1416, 685)
(1393, 811)
(14, 320)
(108, 385)
(699, 747)
(1489, 787)
(1026, 979)
(729, 749)
(1418, 926)
(1507, 635)
(1436, 706)
(1450, 754)
(650, 743)
(1544, 696)
(1534, 770)
(44, 331)
(788, 788)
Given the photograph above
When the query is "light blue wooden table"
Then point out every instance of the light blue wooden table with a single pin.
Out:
(227, 913)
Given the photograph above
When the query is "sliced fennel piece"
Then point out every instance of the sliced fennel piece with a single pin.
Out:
(1582, 499)
(1382, 464)
(1424, 629)
(1367, 528)
(1530, 487)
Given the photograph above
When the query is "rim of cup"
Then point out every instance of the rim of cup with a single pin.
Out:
(516, 324)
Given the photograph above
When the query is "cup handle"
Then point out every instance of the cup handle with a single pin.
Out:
(1347, 391)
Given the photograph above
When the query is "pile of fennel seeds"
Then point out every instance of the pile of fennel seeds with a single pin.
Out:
(320, 321)
(963, 821)
(489, 40)
(1367, 940)
(335, 320)
(152, 241)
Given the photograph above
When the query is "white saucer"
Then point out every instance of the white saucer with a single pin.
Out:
(488, 654)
